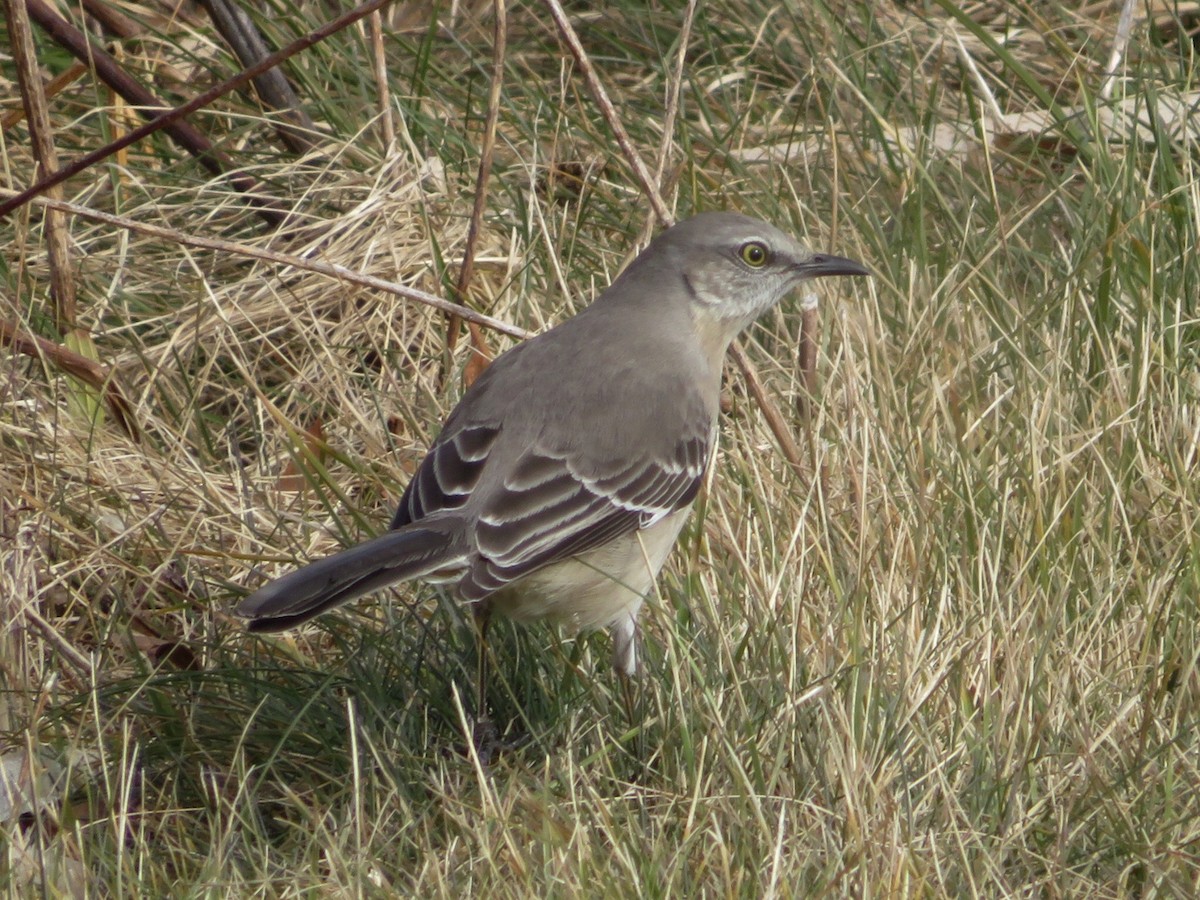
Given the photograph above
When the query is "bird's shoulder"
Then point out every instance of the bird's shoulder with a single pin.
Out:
(590, 394)
(624, 362)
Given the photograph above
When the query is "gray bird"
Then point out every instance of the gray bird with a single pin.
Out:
(559, 483)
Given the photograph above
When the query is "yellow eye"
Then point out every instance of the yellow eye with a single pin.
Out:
(754, 254)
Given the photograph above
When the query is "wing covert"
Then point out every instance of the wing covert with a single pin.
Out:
(551, 507)
(448, 474)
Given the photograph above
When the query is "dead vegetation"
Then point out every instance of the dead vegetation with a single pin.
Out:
(954, 653)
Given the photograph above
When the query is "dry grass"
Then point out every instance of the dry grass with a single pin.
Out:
(958, 656)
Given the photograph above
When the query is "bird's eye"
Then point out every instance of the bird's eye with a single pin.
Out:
(754, 254)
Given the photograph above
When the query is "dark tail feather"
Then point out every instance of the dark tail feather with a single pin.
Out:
(396, 556)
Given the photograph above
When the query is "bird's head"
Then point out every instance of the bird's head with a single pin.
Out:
(735, 268)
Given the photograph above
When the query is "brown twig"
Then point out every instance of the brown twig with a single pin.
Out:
(674, 87)
(296, 128)
(67, 651)
(111, 19)
(53, 88)
(330, 270)
(640, 172)
(41, 133)
(75, 364)
(169, 117)
(110, 72)
(775, 420)
(809, 321)
(467, 269)
(386, 126)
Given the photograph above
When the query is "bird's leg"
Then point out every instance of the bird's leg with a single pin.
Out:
(629, 697)
(481, 616)
(625, 662)
(484, 734)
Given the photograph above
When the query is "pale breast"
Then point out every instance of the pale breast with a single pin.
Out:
(597, 589)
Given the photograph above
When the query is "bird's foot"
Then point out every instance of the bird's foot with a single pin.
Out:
(488, 743)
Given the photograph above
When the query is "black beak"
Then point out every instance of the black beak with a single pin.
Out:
(822, 264)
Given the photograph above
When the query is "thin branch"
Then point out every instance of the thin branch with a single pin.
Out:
(1120, 45)
(467, 269)
(66, 650)
(640, 171)
(809, 321)
(674, 88)
(111, 19)
(330, 270)
(386, 126)
(775, 419)
(296, 127)
(53, 88)
(62, 284)
(76, 365)
(110, 72)
(172, 116)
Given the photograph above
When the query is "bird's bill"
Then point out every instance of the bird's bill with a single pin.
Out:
(823, 264)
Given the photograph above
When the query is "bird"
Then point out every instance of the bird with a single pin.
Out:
(560, 481)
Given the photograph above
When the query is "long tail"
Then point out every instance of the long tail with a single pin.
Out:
(416, 551)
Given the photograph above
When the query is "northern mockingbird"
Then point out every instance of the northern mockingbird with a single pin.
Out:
(559, 483)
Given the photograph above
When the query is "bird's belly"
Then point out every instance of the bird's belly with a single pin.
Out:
(596, 589)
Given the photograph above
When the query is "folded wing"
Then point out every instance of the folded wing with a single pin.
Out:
(551, 504)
